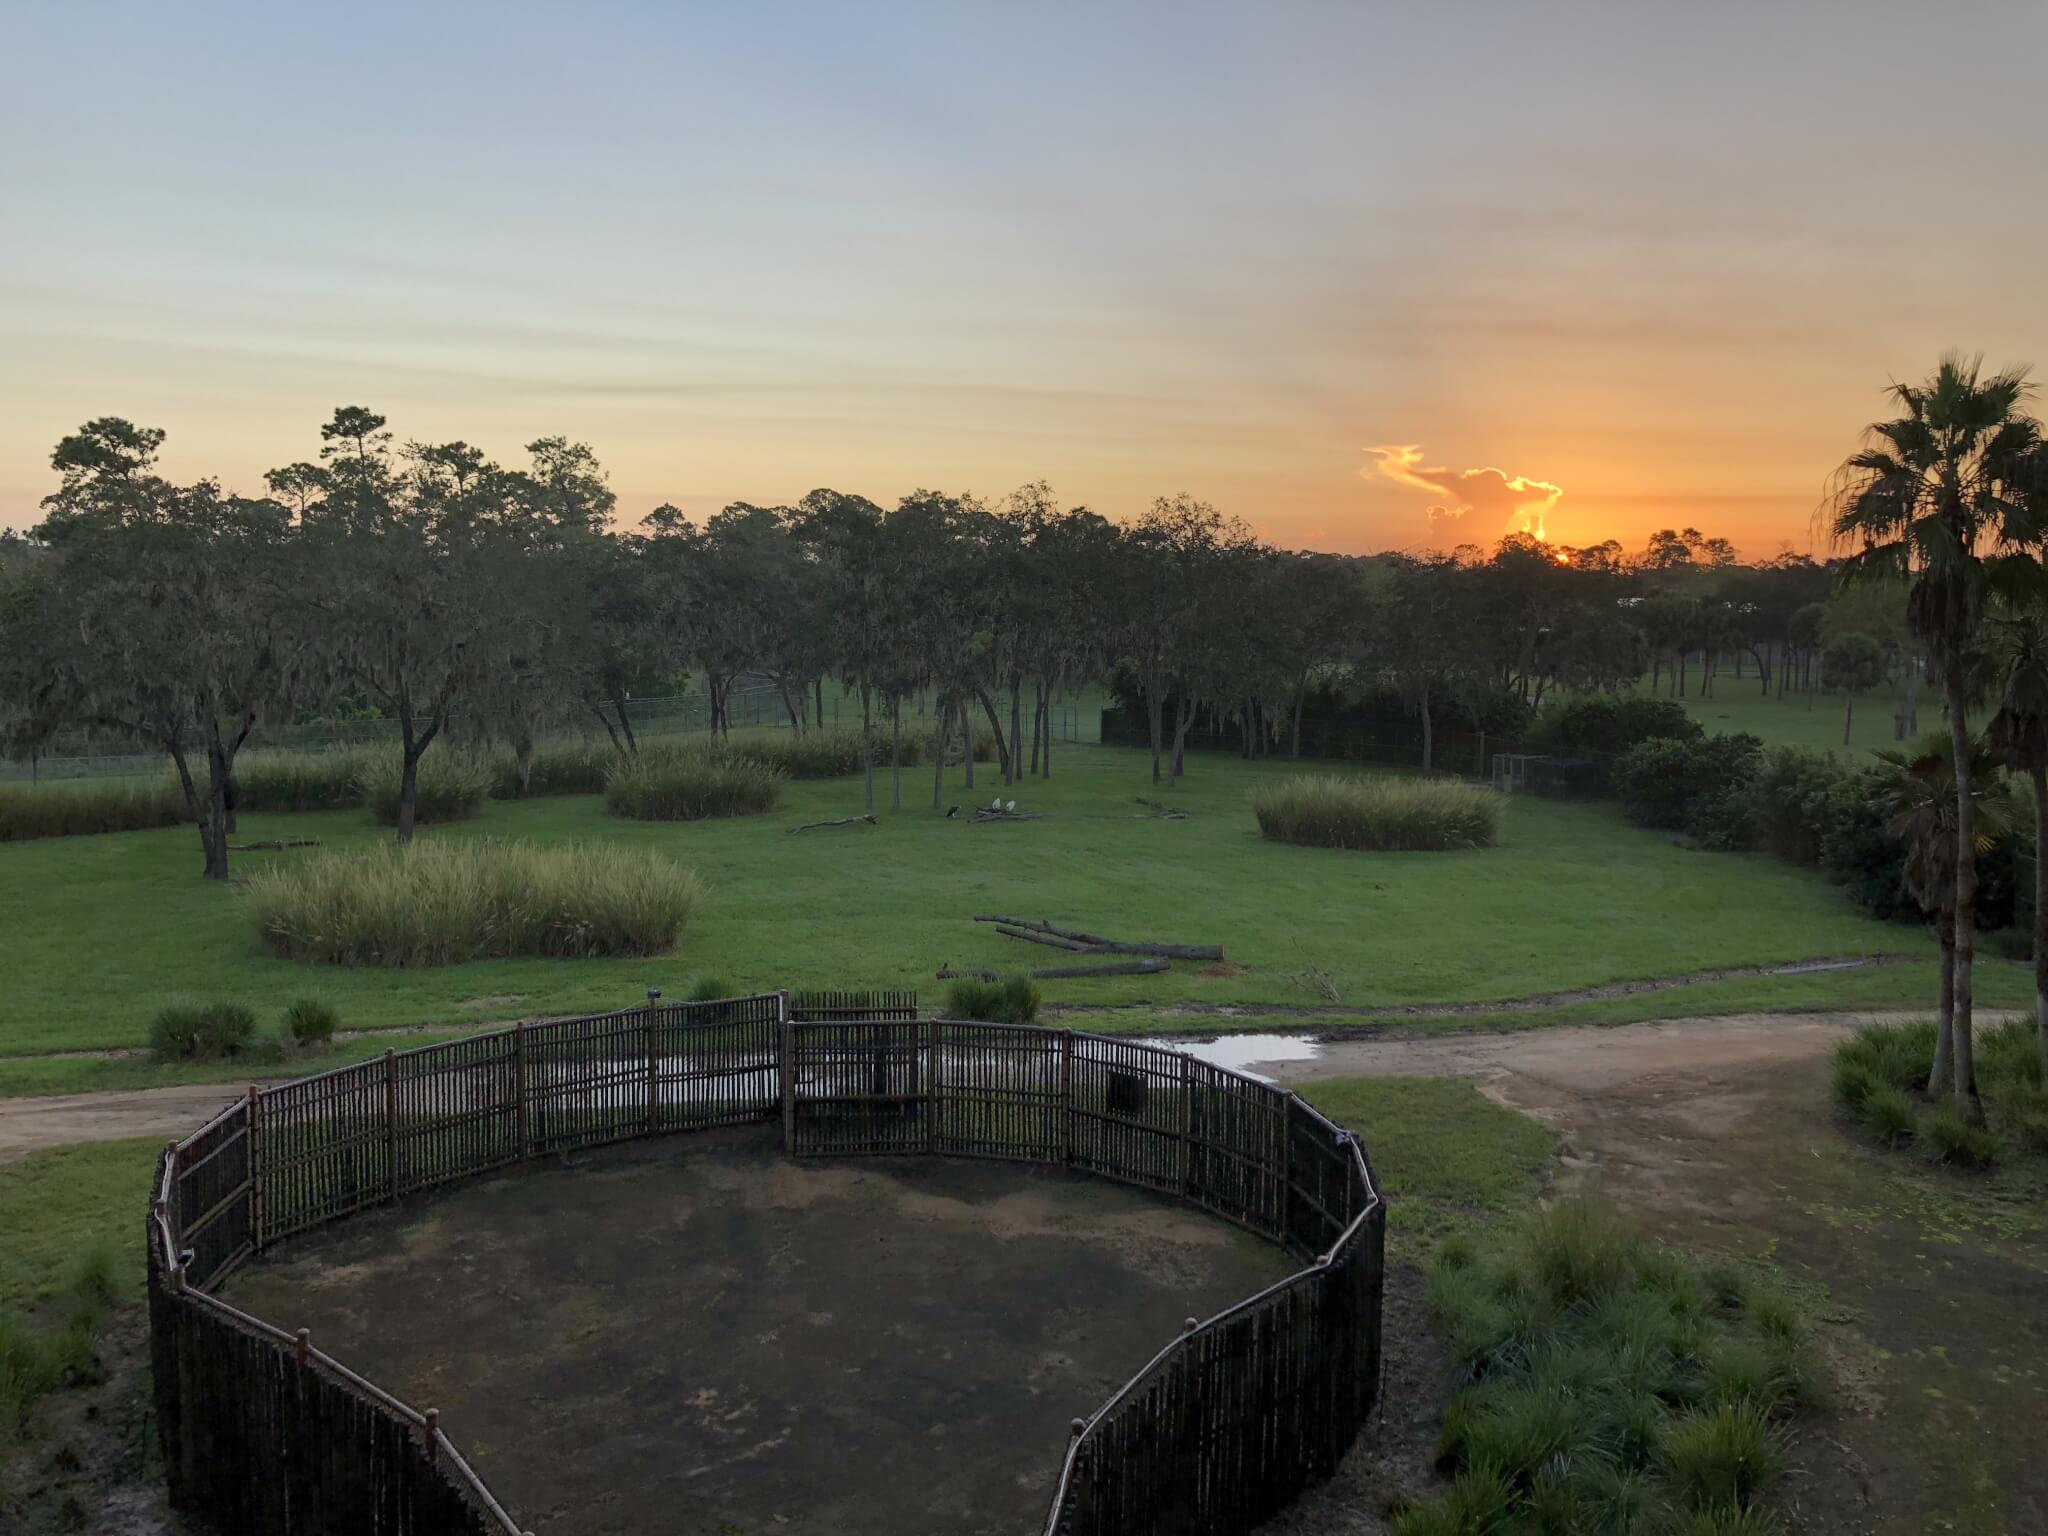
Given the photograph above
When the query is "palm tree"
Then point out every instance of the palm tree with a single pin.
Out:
(1947, 498)
(2019, 734)
(1919, 801)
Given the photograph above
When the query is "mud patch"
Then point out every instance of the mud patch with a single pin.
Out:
(700, 1335)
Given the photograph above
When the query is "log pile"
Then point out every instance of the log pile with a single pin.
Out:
(1145, 958)
(844, 821)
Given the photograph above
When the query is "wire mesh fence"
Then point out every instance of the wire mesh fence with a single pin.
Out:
(264, 1433)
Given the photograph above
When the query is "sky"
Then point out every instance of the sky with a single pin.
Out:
(1367, 276)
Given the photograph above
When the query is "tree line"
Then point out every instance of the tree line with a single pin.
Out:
(429, 585)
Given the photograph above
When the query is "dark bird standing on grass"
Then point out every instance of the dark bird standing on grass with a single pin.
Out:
(952, 811)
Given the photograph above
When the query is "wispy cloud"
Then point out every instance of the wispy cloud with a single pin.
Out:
(1516, 502)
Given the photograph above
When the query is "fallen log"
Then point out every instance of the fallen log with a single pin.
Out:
(947, 973)
(1121, 968)
(1161, 811)
(844, 821)
(1044, 938)
(274, 845)
(987, 815)
(1098, 944)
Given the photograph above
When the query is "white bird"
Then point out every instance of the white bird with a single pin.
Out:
(1011, 806)
(996, 804)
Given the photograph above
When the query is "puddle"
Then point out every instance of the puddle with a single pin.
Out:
(1240, 1052)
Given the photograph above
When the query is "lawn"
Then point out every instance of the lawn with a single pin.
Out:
(1799, 719)
(99, 931)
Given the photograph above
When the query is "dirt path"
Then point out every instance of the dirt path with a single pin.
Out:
(29, 1124)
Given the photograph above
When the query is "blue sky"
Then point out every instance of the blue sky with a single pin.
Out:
(1663, 257)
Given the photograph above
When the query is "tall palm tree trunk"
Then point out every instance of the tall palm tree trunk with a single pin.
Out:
(1957, 689)
(1942, 1079)
(2040, 777)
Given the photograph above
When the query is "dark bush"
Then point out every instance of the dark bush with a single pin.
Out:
(1793, 802)
(1694, 784)
(200, 1031)
(1604, 726)
(1860, 854)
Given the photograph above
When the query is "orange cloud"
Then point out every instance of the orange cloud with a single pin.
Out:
(1516, 501)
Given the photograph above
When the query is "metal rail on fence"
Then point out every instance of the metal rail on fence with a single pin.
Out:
(263, 1432)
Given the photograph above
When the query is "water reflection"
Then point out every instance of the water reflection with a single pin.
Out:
(1240, 1053)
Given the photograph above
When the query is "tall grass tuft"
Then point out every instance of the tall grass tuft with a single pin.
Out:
(451, 787)
(80, 806)
(440, 904)
(1012, 1000)
(691, 784)
(330, 780)
(188, 1031)
(553, 768)
(1379, 814)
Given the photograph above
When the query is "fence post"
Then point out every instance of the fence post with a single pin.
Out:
(391, 1121)
(653, 1102)
(787, 1032)
(1066, 1096)
(931, 1085)
(1187, 1123)
(255, 1185)
(519, 1087)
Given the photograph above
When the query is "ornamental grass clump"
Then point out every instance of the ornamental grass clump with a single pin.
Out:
(1379, 814)
(691, 783)
(330, 780)
(442, 904)
(449, 787)
(80, 806)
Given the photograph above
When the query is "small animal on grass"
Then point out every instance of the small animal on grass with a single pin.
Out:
(952, 811)
(996, 804)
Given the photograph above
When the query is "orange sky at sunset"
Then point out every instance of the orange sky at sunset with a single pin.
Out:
(1626, 267)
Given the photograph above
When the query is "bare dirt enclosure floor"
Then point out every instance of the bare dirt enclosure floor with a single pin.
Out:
(699, 1335)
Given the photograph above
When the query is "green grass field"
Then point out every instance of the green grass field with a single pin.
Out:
(1799, 719)
(101, 930)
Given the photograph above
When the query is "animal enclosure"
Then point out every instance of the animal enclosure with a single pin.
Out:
(1228, 1421)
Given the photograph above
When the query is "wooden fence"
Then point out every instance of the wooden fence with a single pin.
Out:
(263, 1432)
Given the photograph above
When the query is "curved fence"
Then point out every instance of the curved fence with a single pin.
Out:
(263, 1432)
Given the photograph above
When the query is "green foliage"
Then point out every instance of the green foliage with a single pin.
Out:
(1792, 801)
(1608, 1383)
(304, 781)
(1888, 1114)
(450, 787)
(1012, 1000)
(554, 768)
(691, 783)
(441, 904)
(189, 1031)
(709, 989)
(1605, 726)
(1700, 785)
(80, 806)
(818, 754)
(1379, 814)
(310, 1022)
(1946, 1137)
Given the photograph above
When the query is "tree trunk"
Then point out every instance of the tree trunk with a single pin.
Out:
(1294, 729)
(1184, 716)
(2040, 776)
(612, 731)
(995, 726)
(895, 751)
(966, 738)
(1155, 713)
(939, 740)
(1015, 766)
(1966, 890)
(867, 752)
(626, 724)
(1848, 718)
(819, 689)
(792, 706)
(408, 794)
(1428, 735)
(1942, 1079)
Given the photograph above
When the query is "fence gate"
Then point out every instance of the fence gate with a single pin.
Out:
(859, 1085)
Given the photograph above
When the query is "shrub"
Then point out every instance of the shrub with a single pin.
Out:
(817, 754)
(450, 787)
(1888, 1114)
(691, 784)
(1605, 726)
(554, 768)
(1012, 1000)
(1699, 784)
(434, 904)
(1723, 1457)
(302, 781)
(1377, 814)
(308, 1021)
(186, 1031)
(1947, 1137)
(2009, 1054)
(81, 806)
(1792, 802)
(2025, 1109)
